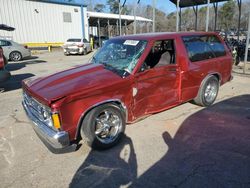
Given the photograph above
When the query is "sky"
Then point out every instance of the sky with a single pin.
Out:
(164, 5)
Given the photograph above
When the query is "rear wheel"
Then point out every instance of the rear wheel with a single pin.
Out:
(15, 56)
(85, 51)
(103, 126)
(208, 91)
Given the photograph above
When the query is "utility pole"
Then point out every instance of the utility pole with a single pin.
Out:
(135, 8)
(120, 19)
(177, 15)
(247, 44)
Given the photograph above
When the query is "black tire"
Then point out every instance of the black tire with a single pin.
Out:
(207, 92)
(91, 126)
(85, 51)
(15, 56)
(5, 61)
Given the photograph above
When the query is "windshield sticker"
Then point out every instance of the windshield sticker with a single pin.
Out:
(131, 42)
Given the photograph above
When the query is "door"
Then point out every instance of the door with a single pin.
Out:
(157, 83)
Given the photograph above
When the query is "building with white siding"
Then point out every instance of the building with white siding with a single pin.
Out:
(43, 21)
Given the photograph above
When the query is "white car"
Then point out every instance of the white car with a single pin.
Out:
(76, 46)
(14, 51)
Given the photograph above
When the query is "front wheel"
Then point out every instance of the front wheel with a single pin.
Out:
(208, 91)
(103, 126)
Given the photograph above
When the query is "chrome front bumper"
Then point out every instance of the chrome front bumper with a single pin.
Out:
(51, 138)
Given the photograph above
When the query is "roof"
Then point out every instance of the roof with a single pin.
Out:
(158, 35)
(104, 17)
(189, 3)
(60, 2)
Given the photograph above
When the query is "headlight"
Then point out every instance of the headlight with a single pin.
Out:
(51, 119)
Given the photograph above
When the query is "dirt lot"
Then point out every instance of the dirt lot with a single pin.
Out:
(186, 146)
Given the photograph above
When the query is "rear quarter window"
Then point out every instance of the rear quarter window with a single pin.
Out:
(203, 47)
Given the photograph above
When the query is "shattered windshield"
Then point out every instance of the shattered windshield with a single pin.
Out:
(120, 55)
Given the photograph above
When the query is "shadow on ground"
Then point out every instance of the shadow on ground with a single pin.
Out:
(110, 168)
(210, 149)
(15, 82)
(13, 66)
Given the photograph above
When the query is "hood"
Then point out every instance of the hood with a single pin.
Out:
(81, 79)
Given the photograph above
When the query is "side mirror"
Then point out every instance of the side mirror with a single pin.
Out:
(143, 67)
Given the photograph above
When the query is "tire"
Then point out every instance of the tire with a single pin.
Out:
(103, 126)
(15, 56)
(5, 61)
(85, 51)
(207, 92)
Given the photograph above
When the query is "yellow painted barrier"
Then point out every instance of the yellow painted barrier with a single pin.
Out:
(49, 45)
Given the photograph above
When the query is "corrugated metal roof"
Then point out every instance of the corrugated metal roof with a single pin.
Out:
(60, 2)
(104, 17)
(189, 3)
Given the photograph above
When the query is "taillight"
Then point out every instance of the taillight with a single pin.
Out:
(1, 59)
(80, 45)
(25, 46)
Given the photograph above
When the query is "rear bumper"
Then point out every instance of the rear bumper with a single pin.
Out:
(51, 138)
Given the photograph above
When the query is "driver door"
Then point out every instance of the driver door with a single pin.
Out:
(157, 86)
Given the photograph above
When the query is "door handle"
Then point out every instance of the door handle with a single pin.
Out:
(172, 69)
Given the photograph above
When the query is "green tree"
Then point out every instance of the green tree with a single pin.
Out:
(113, 6)
(226, 14)
(99, 7)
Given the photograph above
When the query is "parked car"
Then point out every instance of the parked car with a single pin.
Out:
(130, 77)
(14, 51)
(4, 74)
(76, 46)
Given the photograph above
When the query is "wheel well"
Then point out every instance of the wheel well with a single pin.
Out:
(217, 76)
(117, 103)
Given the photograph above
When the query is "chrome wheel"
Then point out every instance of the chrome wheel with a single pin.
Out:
(15, 56)
(108, 125)
(211, 91)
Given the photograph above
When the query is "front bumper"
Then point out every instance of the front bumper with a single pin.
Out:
(51, 138)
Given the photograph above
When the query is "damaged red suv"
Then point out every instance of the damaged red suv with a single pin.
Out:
(128, 78)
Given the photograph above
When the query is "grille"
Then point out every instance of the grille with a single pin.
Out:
(35, 107)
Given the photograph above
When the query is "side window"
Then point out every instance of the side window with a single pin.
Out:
(216, 45)
(4, 43)
(198, 49)
(161, 54)
(85, 41)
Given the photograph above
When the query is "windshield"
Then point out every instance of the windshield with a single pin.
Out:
(120, 55)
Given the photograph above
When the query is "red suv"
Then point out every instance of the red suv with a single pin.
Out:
(128, 78)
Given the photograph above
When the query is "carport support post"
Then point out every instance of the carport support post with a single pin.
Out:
(247, 44)
(108, 29)
(180, 21)
(239, 6)
(126, 27)
(120, 20)
(154, 16)
(177, 15)
(99, 32)
(207, 17)
(135, 6)
(117, 27)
